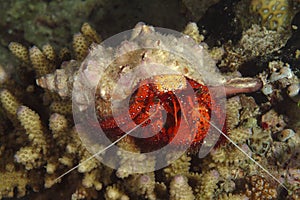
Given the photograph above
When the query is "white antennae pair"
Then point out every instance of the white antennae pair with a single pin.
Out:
(123, 136)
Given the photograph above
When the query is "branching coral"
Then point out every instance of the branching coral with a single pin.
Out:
(11, 180)
(19, 51)
(142, 185)
(40, 63)
(208, 185)
(258, 188)
(179, 166)
(9, 102)
(180, 189)
(115, 193)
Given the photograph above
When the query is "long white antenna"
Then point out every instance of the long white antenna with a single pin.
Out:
(239, 148)
(103, 150)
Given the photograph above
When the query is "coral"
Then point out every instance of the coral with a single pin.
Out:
(82, 41)
(114, 193)
(49, 52)
(33, 126)
(82, 193)
(179, 166)
(259, 188)
(64, 54)
(40, 63)
(255, 41)
(58, 124)
(233, 116)
(229, 158)
(240, 134)
(273, 121)
(260, 141)
(9, 102)
(161, 190)
(90, 34)
(89, 165)
(180, 189)
(142, 185)
(191, 30)
(217, 53)
(80, 46)
(11, 180)
(232, 197)
(259, 41)
(209, 185)
(91, 179)
(279, 80)
(32, 156)
(274, 14)
(61, 107)
(241, 117)
(19, 51)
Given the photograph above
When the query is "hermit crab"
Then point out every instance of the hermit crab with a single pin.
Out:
(144, 97)
(157, 86)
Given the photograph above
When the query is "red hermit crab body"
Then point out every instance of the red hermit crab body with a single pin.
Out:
(191, 112)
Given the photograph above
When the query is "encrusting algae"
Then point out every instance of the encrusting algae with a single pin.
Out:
(39, 141)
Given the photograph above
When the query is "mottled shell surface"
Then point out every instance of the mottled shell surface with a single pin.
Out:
(143, 54)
